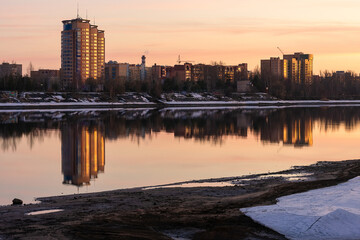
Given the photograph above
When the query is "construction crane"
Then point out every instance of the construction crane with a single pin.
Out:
(281, 51)
(179, 60)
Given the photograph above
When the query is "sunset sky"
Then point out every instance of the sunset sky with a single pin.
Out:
(232, 31)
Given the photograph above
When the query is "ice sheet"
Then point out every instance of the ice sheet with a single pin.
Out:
(327, 213)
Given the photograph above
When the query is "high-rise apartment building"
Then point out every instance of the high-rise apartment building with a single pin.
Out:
(297, 67)
(82, 53)
(300, 67)
(274, 70)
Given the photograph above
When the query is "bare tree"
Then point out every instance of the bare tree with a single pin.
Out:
(29, 69)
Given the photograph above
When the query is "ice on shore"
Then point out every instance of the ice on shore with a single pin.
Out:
(327, 213)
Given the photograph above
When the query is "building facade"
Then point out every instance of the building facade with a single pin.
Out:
(112, 71)
(158, 73)
(274, 70)
(297, 68)
(46, 76)
(126, 71)
(300, 67)
(203, 72)
(180, 73)
(10, 69)
(82, 53)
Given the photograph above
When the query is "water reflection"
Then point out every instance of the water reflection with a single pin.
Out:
(163, 146)
(292, 127)
(82, 152)
(299, 133)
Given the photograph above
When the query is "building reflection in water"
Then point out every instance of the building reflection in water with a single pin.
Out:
(292, 130)
(299, 133)
(295, 131)
(82, 152)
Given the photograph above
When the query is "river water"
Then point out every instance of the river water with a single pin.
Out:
(45, 153)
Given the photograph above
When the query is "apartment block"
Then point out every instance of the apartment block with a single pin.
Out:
(82, 53)
(300, 67)
(274, 69)
(48, 77)
(129, 72)
(112, 70)
(158, 73)
(10, 69)
(180, 73)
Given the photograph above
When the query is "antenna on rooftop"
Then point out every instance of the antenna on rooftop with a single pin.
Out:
(77, 10)
(94, 21)
(86, 14)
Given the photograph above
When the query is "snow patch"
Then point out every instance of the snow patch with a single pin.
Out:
(44, 212)
(327, 213)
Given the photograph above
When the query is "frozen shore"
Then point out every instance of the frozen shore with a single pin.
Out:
(68, 100)
(177, 104)
(171, 211)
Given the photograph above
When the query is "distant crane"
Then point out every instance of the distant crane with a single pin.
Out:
(281, 51)
(179, 60)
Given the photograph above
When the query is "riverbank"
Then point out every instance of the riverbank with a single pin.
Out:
(172, 210)
(164, 104)
(60, 100)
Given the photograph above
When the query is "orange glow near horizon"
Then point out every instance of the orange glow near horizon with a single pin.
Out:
(231, 31)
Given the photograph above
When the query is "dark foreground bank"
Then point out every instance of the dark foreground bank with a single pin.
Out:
(162, 213)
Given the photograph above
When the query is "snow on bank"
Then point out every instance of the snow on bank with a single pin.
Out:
(76, 104)
(76, 110)
(199, 102)
(272, 102)
(327, 213)
(183, 104)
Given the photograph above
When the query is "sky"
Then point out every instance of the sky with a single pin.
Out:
(231, 31)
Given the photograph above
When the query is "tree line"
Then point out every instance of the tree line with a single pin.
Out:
(327, 85)
(117, 86)
(26, 83)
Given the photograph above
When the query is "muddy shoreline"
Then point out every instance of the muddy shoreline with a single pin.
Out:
(162, 213)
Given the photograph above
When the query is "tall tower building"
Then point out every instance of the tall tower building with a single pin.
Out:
(82, 53)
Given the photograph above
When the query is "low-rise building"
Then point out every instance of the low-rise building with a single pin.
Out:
(180, 73)
(112, 70)
(129, 72)
(10, 69)
(158, 73)
(45, 74)
(47, 77)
